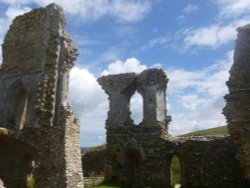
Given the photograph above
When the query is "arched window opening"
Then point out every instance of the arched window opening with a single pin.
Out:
(136, 106)
(175, 172)
(17, 105)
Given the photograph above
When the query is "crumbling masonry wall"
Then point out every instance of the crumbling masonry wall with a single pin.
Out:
(39, 134)
(140, 155)
(238, 100)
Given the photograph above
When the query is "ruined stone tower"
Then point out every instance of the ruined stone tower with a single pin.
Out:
(39, 135)
(141, 155)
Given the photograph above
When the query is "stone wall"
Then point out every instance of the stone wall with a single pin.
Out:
(238, 100)
(140, 155)
(39, 134)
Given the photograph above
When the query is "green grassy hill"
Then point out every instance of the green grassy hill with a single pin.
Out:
(212, 131)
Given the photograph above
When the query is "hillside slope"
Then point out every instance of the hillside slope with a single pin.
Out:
(212, 131)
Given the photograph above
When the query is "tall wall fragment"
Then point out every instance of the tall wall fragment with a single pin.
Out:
(34, 113)
(238, 100)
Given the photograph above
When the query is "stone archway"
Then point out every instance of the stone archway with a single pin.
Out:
(16, 163)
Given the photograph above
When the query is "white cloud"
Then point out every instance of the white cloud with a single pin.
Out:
(130, 65)
(232, 14)
(89, 10)
(206, 117)
(89, 103)
(191, 101)
(210, 80)
(14, 11)
(130, 11)
(190, 8)
(83, 87)
(213, 35)
(196, 97)
(233, 8)
(187, 10)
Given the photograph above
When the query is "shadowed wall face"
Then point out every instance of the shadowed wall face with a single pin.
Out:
(17, 163)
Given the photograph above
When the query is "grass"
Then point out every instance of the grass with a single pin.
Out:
(31, 183)
(212, 131)
(175, 171)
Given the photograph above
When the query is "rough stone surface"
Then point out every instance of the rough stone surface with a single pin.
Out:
(39, 134)
(238, 100)
(140, 155)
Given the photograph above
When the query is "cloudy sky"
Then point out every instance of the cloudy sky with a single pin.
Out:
(191, 40)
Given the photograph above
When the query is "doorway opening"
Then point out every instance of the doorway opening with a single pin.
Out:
(175, 171)
(133, 160)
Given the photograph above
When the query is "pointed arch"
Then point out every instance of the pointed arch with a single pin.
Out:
(17, 100)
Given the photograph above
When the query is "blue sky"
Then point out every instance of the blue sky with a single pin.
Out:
(191, 40)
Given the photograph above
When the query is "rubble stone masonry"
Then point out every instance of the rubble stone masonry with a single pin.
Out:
(237, 110)
(39, 134)
(141, 155)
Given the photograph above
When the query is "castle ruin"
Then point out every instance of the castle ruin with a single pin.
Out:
(140, 155)
(39, 134)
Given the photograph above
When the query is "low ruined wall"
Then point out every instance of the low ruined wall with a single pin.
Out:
(209, 161)
(137, 156)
